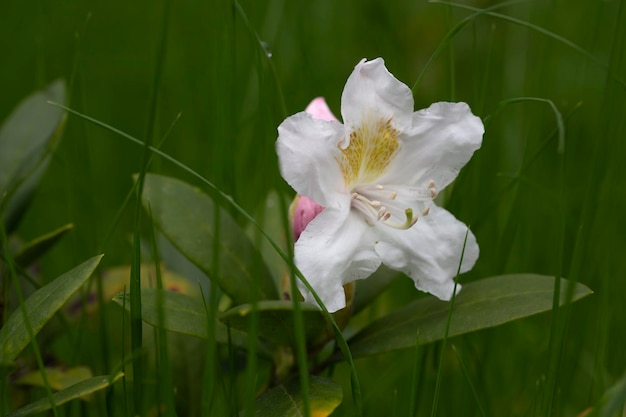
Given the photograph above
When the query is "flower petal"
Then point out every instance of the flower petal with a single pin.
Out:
(441, 141)
(337, 247)
(320, 110)
(430, 251)
(307, 150)
(371, 90)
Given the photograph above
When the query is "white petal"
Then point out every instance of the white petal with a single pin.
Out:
(371, 90)
(307, 150)
(337, 247)
(430, 251)
(441, 141)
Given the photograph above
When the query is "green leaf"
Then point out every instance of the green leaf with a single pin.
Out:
(34, 249)
(186, 315)
(58, 378)
(613, 402)
(185, 216)
(275, 321)
(481, 304)
(26, 138)
(286, 400)
(40, 307)
(78, 390)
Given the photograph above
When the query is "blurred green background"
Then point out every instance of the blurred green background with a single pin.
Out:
(234, 71)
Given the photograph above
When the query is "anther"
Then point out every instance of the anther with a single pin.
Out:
(431, 187)
(426, 211)
(393, 195)
(375, 203)
(379, 187)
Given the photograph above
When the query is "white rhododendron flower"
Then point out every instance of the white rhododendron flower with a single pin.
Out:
(376, 176)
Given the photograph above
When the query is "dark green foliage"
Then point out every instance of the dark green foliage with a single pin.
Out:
(536, 203)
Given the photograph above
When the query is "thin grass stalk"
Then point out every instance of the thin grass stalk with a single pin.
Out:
(226, 199)
(222, 53)
(301, 353)
(136, 330)
(557, 324)
(103, 325)
(512, 223)
(450, 35)
(252, 361)
(135, 274)
(40, 58)
(127, 409)
(210, 375)
(415, 377)
(451, 60)
(165, 389)
(468, 377)
(4, 245)
(605, 187)
(232, 374)
(489, 11)
(298, 322)
(209, 379)
(4, 370)
(526, 164)
(253, 324)
(445, 337)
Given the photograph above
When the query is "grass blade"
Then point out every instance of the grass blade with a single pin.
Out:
(226, 199)
(76, 391)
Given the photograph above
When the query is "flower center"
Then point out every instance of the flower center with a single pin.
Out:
(394, 206)
(371, 148)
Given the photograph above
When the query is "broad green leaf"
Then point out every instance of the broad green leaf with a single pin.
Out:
(79, 390)
(30, 131)
(275, 321)
(40, 307)
(185, 216)
(58, 378)
(184, 314)
(481, 304)
(116, 279)
(613, 402)
(34, 249)
(286, 400)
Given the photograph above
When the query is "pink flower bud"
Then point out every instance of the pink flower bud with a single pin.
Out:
(305, 211)
(319, 110)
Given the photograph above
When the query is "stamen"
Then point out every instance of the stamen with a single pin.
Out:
(365, 205)
(385, 203)
(433, 190)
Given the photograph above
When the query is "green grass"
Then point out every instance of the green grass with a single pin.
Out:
(544, 194)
